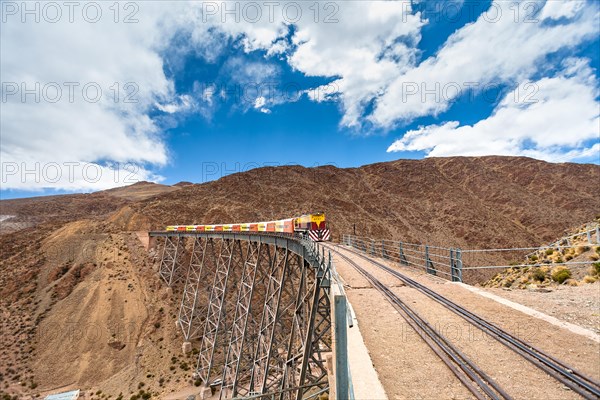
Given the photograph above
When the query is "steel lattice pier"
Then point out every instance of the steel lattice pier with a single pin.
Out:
(257, 308)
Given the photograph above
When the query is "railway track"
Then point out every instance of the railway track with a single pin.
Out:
(471, 376)
(570, 377)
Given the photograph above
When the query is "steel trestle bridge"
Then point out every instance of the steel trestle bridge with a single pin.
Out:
(257, 308)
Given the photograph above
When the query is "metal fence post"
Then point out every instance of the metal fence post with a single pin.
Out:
(452, 266)
(383, 249)
(341, 348)
(598, 235)
(459, 264)
(403, 260)
(429, 267)
(589, 237)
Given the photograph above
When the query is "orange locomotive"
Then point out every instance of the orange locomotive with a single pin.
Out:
(312, 225)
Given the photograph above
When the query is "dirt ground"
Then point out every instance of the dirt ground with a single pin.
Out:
(579, 305)
(408, 368)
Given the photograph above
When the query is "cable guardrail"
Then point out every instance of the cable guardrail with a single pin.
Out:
(588, 233)
(475, 265)
(435, 260)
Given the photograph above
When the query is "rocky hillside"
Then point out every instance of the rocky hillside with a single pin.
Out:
(466, 202)
(82, 306)
(548, 265)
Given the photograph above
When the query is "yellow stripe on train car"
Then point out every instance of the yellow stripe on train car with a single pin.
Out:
(190, 228)
(245, 227)
(171, 228)
(226, 228)
(262, 226)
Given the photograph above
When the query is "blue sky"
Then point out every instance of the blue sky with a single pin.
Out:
(217, 89)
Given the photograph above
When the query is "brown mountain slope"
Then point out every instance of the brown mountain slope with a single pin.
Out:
(140, 190)
(35, 210)
(463, 201)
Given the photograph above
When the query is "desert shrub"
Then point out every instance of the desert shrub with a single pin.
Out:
(549, 252)
(560, 274)
(596, 268)
(559, 260)
(533, 257)
(590, 279)
(538, 275)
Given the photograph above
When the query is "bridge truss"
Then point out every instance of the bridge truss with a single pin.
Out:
(257, 308)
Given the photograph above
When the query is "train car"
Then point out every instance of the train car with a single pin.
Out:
(311, 226)
(285, 225)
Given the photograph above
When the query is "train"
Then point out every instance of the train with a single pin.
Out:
(313, 226)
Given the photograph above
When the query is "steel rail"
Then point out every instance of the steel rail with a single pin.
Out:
(448, 353)
(580, 383)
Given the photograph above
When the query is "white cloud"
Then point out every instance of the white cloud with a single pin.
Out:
(507, 44)
(108, 123)
(560, 122)
(183, 103)
(362, 51)
(557, 9)
(259, 104)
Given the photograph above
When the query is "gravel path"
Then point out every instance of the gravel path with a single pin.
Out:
(579, 305)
